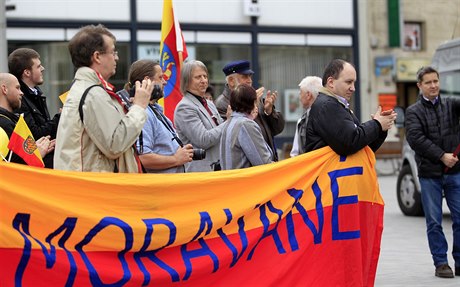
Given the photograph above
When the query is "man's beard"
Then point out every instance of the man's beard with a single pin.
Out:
(37, 82)
(15, 105)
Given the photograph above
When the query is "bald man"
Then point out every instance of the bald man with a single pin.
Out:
(10, 99)
(332, 123)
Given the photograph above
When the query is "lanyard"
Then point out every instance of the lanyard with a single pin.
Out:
(165, 122)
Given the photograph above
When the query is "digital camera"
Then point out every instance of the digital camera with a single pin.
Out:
(157, 92)
(198, 154)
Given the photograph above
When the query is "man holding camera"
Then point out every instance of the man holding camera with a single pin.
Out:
(160, 150)
(95, 133)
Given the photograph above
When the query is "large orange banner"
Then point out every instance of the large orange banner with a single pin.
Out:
(314, 220)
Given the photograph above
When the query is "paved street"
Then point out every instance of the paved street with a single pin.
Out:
(405, 259)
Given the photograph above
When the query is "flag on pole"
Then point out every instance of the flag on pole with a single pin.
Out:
(23, 144)
(172, 53)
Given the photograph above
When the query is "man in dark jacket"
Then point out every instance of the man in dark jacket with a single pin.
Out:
(10, 99)
(24, 63)
(332, 123)
(270, 120)
(433, 132)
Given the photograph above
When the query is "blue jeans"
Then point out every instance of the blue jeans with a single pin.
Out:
(432, 191)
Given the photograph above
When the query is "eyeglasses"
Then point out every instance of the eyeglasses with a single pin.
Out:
(114, 53)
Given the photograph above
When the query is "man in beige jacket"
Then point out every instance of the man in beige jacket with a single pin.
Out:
(96, 133)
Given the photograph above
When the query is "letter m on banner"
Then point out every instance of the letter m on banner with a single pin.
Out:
(172, 54)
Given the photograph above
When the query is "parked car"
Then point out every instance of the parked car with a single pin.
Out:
(408, 185)
(446, 60)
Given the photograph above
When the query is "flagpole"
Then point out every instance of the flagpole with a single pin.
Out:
(181, 58)
(9, 158)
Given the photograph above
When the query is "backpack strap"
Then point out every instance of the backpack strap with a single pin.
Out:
(80, 111)
(3, 116)
(82, 100)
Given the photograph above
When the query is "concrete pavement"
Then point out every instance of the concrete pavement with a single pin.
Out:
(405, 259)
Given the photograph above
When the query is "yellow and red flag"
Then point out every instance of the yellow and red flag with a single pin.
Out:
(313, 220)
(23, 144)
(172, 53)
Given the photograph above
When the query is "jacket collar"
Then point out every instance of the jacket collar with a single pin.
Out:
(425, 101)
(341, 100)
(88, 74)
(12, 116)
(194, 99)
(28, 92)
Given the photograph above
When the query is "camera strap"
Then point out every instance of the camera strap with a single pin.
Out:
(165, 122)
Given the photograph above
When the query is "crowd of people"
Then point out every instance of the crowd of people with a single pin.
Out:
(102, 130)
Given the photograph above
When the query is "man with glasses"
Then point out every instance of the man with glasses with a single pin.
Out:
(25, 64)
(96, 133)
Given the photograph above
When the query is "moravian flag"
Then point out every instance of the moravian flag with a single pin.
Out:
(172, 53)
(23, 144)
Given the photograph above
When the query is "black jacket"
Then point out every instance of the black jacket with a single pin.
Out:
(37, 117)
(332, 124)
(8, 122)
(431, 131)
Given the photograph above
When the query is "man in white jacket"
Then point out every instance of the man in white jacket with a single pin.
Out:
(96, 133)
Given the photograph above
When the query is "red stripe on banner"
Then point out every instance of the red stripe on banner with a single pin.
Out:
(288, 251)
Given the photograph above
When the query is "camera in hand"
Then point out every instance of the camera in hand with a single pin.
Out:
(157, 93)
(198, 154)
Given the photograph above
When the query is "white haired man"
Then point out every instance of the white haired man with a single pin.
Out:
(309, 89)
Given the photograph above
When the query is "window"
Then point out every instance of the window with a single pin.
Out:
(412, 36)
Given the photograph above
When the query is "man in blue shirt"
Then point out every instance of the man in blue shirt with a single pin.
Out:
(160, 150)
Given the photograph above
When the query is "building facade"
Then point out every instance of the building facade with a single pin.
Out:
(284, 40)
(398, 37)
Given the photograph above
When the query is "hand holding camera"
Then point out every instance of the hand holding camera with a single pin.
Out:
(142, 93)
(184, 154)
(197, 153)
(157, 92)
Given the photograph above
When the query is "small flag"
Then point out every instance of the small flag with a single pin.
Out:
(63, 97)
(23, 144)
(172, 53)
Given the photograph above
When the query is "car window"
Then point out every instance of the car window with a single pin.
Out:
(450, 83)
